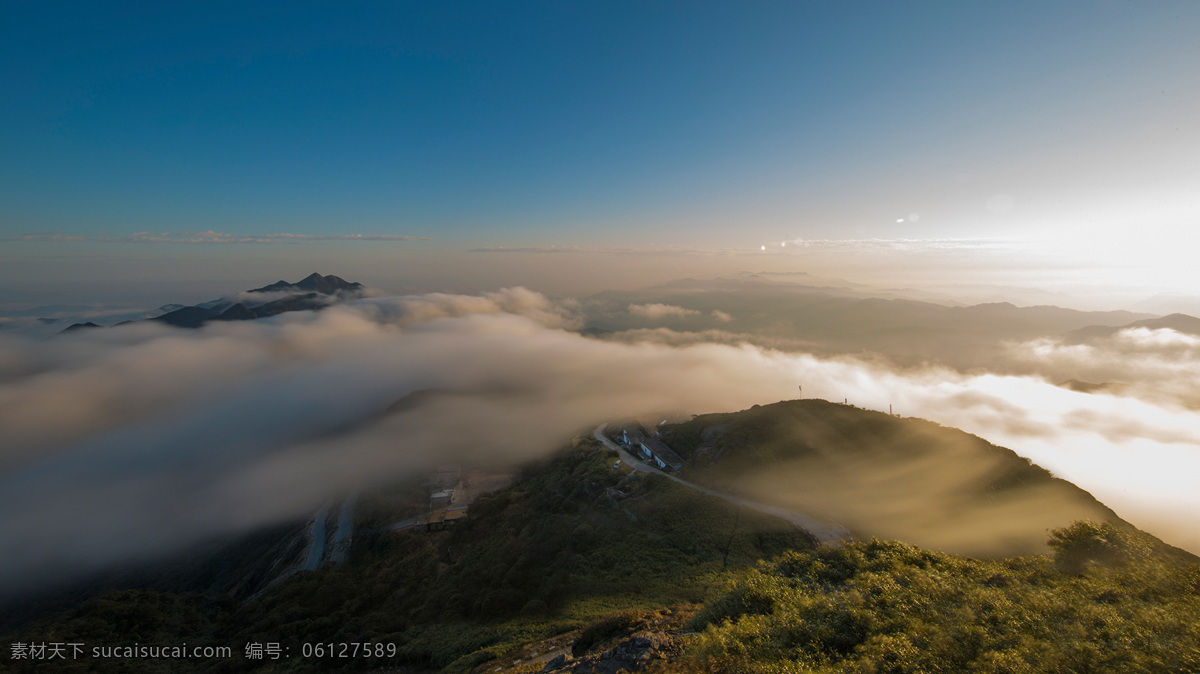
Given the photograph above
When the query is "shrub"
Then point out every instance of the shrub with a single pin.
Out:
(608, 627)
(1084, 545)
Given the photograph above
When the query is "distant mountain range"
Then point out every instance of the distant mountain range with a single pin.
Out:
(1178, 322)
(311, 293)
(827, 320)
(821, 312)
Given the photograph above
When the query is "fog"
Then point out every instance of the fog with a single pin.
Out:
(1160, 365)
(933, 489)
(144, 439)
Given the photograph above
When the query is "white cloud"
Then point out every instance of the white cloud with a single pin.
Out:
(658, 311)
(127, 441)
(1157, 365)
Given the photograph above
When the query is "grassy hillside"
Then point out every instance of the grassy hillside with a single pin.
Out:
(604, 569)
(1105, 602)
(601, 568)
(547, 555)
(884, 476)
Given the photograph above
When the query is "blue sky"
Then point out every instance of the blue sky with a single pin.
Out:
(589, 124)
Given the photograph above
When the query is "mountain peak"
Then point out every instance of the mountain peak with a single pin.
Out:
(314, 282)
(326, 284)
(300, 296)
(79, 326)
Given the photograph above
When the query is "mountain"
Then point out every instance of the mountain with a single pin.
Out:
(79, 326)
(827, 321)
(1183, 323)
(572, 538)
(326, 285)
(187, 317)
(309, 294)
(582, 564)
(1089, 387)
(881, 475)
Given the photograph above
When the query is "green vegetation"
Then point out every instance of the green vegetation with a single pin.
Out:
(884, 476)
(394, 502)
(889, 607)
(606, 628)
(552, 553)
(822, 431)
(579, 556)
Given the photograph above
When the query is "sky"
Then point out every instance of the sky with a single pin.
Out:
(165, 151)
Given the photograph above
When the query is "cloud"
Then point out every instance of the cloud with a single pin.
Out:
(669, 337)
(551, 249)
(721, 316)
(793, 247)
(658, 311)
(212, 237)
(143, 439)
(904, 245)
(1160, 365)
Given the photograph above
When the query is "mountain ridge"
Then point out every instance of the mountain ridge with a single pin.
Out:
(577, 564)
(1182, 323)
(886, 476)
(313, 292)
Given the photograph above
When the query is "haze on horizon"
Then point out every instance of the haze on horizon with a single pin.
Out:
(150, 152)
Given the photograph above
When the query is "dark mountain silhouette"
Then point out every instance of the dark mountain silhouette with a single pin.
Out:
(312, 283)
(237, 312)
(79, 326)
(310, 294)
(187, 317)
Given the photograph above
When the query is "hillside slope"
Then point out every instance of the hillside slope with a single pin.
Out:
(571, 540)
(884, 476)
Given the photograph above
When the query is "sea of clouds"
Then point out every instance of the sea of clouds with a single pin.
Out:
(139, 440)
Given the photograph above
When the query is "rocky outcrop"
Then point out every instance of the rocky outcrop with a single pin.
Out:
(629, 655)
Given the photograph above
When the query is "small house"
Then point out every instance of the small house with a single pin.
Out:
(657, 452)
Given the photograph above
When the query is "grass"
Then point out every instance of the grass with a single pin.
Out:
(548, 554)
(883, 606)
(552, 556)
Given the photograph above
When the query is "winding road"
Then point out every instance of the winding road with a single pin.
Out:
(828, 533)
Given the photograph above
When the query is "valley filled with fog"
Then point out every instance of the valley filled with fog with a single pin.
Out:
(127, 442)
